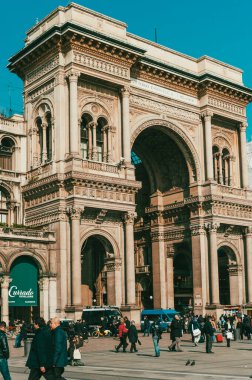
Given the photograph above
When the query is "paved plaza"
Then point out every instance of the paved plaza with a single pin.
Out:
(102, 362)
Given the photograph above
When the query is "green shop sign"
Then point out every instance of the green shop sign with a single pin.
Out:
(23, 289)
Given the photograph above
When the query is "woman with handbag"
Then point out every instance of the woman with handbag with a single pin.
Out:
(196, 331)
(122, 332)
(228, 331)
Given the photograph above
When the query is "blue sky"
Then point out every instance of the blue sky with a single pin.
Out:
(218, 28)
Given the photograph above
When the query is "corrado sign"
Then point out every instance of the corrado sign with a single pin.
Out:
(23, 290)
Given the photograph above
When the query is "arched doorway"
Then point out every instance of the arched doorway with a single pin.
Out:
(97, 253)
(24, 289)
(229, 277)
(163, 170)
(183, 280)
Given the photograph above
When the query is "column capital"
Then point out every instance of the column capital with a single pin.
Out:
(248, 231)
(125, 91)
(170, 250)
(44, 125)
(72, 75)
(74, 212)
(5, 281)
(212, 226)
(197, 229)
(129, 217)
(242, 126)
(207, 114)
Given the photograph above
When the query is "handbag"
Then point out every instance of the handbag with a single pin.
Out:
(76, 354)
(229, 335)
(196, 332)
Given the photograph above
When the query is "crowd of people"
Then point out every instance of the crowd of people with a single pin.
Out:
(54, 346)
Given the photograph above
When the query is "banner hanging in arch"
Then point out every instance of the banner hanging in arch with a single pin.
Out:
(23, 289)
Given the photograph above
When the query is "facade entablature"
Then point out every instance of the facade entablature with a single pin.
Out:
(36, 236)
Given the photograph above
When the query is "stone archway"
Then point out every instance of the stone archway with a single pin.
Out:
(230, 276)
(101, 272)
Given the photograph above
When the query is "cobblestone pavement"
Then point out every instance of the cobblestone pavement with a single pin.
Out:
(102, 362)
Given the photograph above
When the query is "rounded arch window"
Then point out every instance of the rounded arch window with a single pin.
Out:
(101, 122)
(44, 135)
(4, 199)
(6, 153)
(85, 147)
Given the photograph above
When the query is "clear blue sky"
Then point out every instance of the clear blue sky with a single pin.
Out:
(218, 28)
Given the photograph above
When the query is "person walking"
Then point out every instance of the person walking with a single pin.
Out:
(156, 333)
(133, 336)
(59, 341)
(176, 334)
(196, 331)
(228, 331)
(40, 359)
(122, 333)
(4, 352)
(146, 326)
(209, 332)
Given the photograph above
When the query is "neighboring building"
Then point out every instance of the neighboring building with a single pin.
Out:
(249, 149)
(135, 189)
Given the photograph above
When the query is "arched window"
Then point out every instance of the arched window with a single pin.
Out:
(40, 137)
(226, 167)
(49, 137)
(4, 198)
(6, 153)
(216, 155)
(85, 143)
(100, 132)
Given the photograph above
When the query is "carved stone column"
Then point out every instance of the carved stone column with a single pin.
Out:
(90, 141)
(235, 284)
(44, 297)
(159, 268)
(114, 282)
(52, 296)
(126, 125)
(170, 275)
(73, 110)
(129, 255)
(44, 152)
(94, 151)
(207, 115)
(248, 244)
(75, 215)
(214, 269)
(199, 267)
(5, 282)
(220, 169)
(109, 131)
(63, 257)
(243, 155)
(105, 143)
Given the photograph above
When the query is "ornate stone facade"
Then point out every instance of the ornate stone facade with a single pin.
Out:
(136, 164)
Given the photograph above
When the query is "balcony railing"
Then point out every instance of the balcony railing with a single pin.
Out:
(143, 269)
(27, 233)
(9, 173)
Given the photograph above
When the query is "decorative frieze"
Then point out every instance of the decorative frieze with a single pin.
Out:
(101, 65)
(42, 70)
(176, 112)
(45, 88)
(226, 106)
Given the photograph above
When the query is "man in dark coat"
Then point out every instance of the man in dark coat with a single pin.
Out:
(133, 336)
(59, 349)
(209, 332)
(4, 352)
(40, 359)
(176, 333)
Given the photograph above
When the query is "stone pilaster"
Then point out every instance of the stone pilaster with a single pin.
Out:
(248, 245)
(207, 116)
(75, 215)
(73, 111)
(243, 155)
(170, 275)
(129, 259)
(159, 268)
(214, 269)
(126, 125)
(5, 282)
